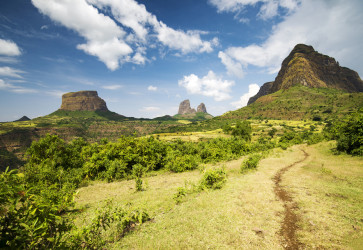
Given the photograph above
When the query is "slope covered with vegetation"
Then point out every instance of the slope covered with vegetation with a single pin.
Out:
(37, 205)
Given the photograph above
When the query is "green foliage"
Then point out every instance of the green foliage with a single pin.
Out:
(121, 219)
(27, 219)
(272, 132)
(180, 194)
(242, 130)
(350, 134)
(213, 179)
(137, 172)
(181, 163)
(251, 162)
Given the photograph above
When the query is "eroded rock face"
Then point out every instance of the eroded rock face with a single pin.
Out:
(83, 101)
(307, 67)
(184, 108)
(202, 108)
(264, 90)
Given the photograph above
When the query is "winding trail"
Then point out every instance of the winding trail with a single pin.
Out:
(289, 224)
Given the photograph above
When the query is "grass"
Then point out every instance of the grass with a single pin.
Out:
(245, 213)
(329, 191)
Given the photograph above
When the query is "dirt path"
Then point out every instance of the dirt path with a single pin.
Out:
(289, 224)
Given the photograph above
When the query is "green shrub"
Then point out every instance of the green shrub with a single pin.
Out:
(350, 134)
(182, 163)
(213, 179)
(180, 194)
(251, 162)
(137, 172)
(119, 220)
(29, 220)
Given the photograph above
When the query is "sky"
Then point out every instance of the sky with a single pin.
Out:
(146, 56)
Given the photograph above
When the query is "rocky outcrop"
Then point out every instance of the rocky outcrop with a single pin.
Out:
(83, 101)
(202, 108)
(307, 67)
(184, 108)
(264, 90)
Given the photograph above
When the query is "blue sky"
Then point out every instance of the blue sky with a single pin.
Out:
(145, 56)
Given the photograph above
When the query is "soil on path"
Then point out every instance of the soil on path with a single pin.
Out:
(289, 224)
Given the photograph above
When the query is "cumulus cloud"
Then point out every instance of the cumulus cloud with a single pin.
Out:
(112, 87)
(252, 90)
(336, 35)
(14, 88)
(268, 8)
(106, 38)
(11, 72)
(210, 85)
(9, 48)
(152, 88)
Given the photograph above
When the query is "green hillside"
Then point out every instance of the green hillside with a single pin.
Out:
(296, 103)
(301, 103)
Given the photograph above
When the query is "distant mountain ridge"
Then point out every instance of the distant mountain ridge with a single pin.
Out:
(307, 67)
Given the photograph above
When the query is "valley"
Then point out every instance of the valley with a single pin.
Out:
(284, 172)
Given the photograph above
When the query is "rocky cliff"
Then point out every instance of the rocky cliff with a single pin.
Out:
(305, 66)
(264, 90)
(83, 101)
(202, 108)
(184, 108)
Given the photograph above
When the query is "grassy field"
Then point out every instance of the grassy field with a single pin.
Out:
(245, 213)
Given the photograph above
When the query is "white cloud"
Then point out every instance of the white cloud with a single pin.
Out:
(210, 85)
(14, 88)
(112, 87)
(108, 41)
(152, 88)
(268, 8)
(252, 90)
(104, 38)
(9, 48)
(331, 27)
(11, 72)
(233, 66)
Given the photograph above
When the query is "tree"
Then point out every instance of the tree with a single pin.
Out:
(350, 135)
(243, 130)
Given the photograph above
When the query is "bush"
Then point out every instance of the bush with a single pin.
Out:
(243, 130)
(182, 163)
(122, 219)
(27, 219)
(137, 172)
(251, 162)
(213, 179)
(350, 134)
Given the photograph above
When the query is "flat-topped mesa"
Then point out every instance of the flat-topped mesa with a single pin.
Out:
(83, 101)
(184, 108)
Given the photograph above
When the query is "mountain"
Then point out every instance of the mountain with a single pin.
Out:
(307, 67)
(185, 112)
(83, 101)
(22, 119)
(184, 108)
